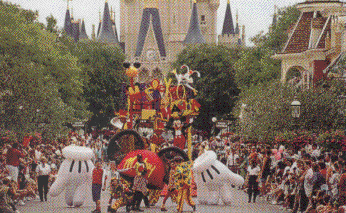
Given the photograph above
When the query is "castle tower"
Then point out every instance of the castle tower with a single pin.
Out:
(83, 34)
(100, 23)
(228, 27)
(207, 10)
(237, 30)
(67, 24)
(106, 32)
(113, 24)
(75, 30)
(175, 17)
(275, 20)
(194, 35)
(229, 36)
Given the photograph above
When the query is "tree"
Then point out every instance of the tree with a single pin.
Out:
(268, 109)
(51, 24)
(102, 65)
(45, 83)
(217, 90)
(255, 65)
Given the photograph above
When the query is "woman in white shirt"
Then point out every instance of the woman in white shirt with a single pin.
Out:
(253, 172)
(43, 170)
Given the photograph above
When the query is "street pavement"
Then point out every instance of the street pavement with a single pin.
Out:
(239, 205)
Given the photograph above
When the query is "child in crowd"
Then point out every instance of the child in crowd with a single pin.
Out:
(97, 175)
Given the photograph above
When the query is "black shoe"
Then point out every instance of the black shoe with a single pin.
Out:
(139, 210)
(194, 208)
(249, 201)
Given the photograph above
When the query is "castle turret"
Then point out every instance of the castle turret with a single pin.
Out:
(83, 34)
(114, 25)
(194, 35)
(107, 33)
(67, 25)
(275, 20)
(230, 37)
(75, 30)
(100, 23)
(237, 30)
(228, 27)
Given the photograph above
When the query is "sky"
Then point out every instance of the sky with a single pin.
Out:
(256, 15)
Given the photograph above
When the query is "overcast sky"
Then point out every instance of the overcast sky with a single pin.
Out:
(256, 15)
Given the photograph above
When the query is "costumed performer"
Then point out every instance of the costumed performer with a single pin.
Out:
(171, 183)
(183, 176)
(214, 180)
(140, 166)
(120, 191)
(75, 175)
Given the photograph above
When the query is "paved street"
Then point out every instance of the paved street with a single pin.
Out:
(239, 205)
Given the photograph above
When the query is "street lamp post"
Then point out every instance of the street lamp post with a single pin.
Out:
(296, 111)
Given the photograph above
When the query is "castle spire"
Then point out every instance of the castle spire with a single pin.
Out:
(100, 22)
(107, 33)
(83, 34)
(194, 35)
(228, 27)
(237, 30)
(67, 24)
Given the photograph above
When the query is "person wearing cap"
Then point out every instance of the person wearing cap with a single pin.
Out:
(43, 171)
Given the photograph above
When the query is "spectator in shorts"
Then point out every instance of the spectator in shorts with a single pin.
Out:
(97, 175)
(12, 159)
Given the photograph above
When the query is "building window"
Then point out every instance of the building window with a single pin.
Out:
(203, 20)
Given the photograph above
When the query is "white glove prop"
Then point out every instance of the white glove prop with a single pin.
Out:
(214, 180)
(75, 175)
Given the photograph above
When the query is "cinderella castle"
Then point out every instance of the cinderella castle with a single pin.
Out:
(153, 32)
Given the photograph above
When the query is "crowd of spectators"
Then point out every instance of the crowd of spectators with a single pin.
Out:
(307, 179)
(27, 172)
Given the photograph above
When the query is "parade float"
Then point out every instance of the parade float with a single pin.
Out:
(164, 106)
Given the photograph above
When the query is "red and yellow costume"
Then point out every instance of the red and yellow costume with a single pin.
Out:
(183, 176)
(120, 190)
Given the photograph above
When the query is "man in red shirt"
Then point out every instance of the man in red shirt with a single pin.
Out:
(97, 175)
(12, 160)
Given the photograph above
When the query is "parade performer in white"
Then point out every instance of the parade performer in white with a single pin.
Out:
(74, 176)
(214, 180)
